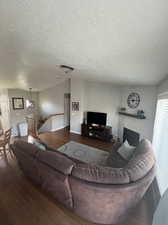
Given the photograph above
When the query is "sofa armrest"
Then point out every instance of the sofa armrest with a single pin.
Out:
(25, 147)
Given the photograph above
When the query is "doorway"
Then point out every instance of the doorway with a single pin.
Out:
(67, 99)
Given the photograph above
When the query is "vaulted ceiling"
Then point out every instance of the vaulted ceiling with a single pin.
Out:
(122, 42)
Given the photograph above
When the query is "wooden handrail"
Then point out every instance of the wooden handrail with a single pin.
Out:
(34, 123)
(52, 115)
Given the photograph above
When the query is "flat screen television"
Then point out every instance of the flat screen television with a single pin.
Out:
(96, 118)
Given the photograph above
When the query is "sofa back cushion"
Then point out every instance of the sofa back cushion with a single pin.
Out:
(142, 161)
(26, 157)
(99, 174)
(139, 165)
(26, 147)
(114, 159)
(56, 160)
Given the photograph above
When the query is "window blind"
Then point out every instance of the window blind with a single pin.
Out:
(160, 142)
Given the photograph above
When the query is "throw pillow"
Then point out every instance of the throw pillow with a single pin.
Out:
(39, 145)
(126, 150)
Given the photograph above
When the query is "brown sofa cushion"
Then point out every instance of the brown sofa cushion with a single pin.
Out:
(142, 161)
(55, 183)
(107, 204)
(114, 159)
(56, 160)
(26, 147)
(99, 174)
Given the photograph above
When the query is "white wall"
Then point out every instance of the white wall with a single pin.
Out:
(5, 109)
(96, 97)
(163, 87)
(148, 96)
(51, 101)
(103, 97)
(77, 95)
(18, 116)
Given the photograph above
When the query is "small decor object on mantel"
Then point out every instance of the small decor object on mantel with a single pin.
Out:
(75, 106)
(133, 100)
(141, 113)
(18, 103)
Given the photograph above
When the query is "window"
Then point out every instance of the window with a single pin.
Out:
(160, 143)
(28, 103)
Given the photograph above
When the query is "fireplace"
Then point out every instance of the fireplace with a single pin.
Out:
(131, 136)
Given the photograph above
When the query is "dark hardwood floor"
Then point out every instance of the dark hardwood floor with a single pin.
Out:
(23, 203)
(56, 139)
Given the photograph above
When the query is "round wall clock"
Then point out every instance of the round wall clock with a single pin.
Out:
(133, 100)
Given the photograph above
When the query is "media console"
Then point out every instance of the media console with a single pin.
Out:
(97, 131)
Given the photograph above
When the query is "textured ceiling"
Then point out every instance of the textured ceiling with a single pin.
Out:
(123, 42)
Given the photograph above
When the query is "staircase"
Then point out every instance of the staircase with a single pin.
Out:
(52, 123)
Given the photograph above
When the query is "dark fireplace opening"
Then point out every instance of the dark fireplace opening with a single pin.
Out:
(131, 136)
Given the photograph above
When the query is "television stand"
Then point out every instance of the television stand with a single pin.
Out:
(97, 131)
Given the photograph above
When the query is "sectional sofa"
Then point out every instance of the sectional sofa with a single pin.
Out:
(99, 194)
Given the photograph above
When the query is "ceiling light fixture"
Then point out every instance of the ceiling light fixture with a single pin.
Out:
(30, 104)
(66, 69)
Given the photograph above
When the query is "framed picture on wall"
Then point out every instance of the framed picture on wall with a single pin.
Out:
(75, 106)
(18, 103)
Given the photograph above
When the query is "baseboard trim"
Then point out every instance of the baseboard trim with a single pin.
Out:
(75, 132)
